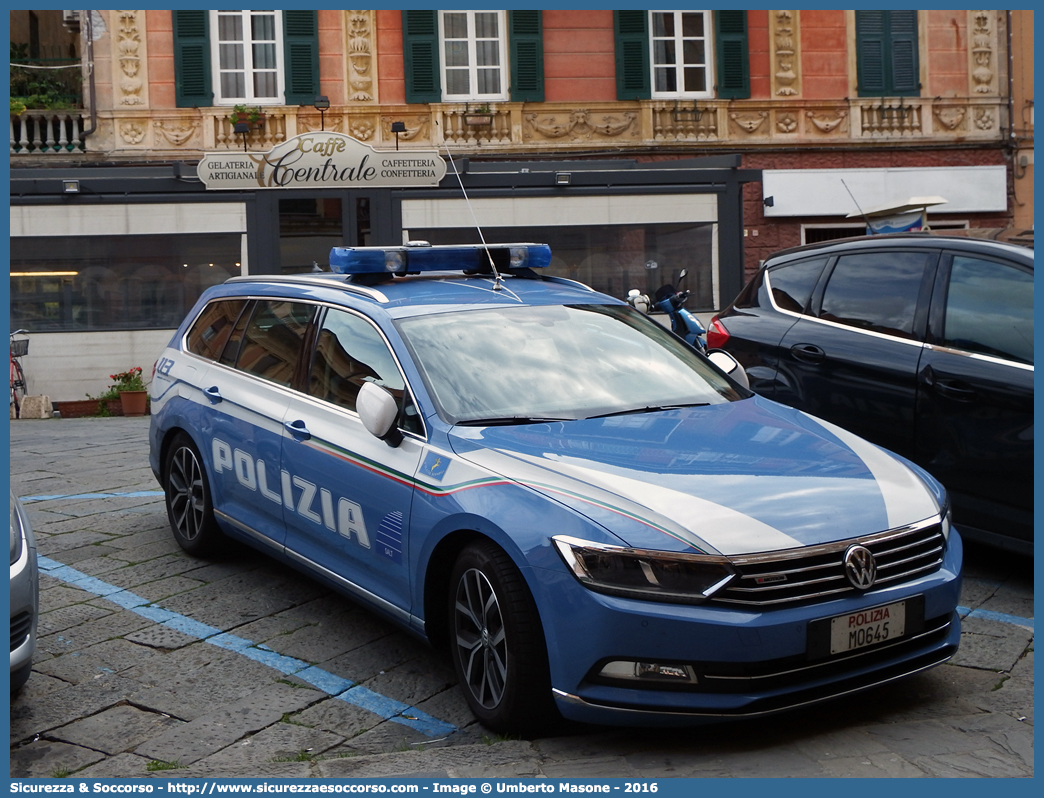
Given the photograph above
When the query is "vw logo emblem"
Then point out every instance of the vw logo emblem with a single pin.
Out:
(860, 567)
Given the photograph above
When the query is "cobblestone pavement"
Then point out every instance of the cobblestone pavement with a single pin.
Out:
(157, 664)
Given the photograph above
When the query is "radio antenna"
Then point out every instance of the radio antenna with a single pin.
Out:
(497, 282)
(866, 218)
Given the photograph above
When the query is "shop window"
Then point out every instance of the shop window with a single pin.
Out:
(681, 54)
(61, 284)
(614, 258)
(308, 229)
(245, 57)
(886, 53)
(473, 56)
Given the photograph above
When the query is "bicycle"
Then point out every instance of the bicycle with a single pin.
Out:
(19, 348)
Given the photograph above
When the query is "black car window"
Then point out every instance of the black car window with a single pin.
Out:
(792, 283)
(211, 330)
(989, 309)
(749, 296)
(348, 353)
(876, 291)
(271, 346)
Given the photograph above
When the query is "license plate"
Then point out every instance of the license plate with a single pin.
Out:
(867, 627)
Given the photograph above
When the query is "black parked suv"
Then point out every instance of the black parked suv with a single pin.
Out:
(920, 343)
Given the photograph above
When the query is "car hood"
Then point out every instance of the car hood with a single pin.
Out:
(735, 478)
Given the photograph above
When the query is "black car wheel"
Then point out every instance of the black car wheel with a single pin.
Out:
(188, 499)
(498, 643)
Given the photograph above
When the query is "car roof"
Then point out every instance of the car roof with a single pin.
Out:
(428, 292)
(907, 240)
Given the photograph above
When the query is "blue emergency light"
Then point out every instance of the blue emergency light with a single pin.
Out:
(422, 257)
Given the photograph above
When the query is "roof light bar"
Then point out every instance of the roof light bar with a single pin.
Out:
(420, 257)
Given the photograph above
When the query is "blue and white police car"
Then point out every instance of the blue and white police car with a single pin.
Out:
(593, 519)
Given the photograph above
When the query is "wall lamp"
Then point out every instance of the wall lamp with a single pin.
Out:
(71, 186)
(242, 128)
(563, 178)
(397, 128)
(769, 202)
(321, 104)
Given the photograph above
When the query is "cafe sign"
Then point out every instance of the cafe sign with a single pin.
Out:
(321, 160)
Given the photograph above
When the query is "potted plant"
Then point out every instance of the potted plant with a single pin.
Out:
(253, 116)
(131, 388)
(477, 117)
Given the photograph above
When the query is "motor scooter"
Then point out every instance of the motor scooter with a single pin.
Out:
(671, 301)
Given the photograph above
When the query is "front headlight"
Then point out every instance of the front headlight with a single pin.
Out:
(16, 533)
(644, 574)
(947, 523)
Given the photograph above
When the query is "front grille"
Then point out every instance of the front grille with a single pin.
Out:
(812, 574)
(21, 625)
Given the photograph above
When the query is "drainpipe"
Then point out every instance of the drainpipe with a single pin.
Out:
(89, 16)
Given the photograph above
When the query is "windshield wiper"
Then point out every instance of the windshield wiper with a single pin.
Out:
(649, 409)
(503, 421)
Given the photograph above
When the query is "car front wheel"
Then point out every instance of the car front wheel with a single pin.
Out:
(498, 643)
(189, 508)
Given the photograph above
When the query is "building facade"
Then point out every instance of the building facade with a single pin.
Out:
(636, 143)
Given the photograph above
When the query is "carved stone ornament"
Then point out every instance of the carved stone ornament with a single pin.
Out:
(827, 125)
(950, 116)
(415, 128)
(310, 124)
(360, 56)
(579, 126)
(984, 119)
(177, 132)
(749, 122)
(982, 52)
(133, 132)
(786, 56)
(129, 81)
(361, 129)
(786, 123)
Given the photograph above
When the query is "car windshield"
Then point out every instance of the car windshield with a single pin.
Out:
(524, 364)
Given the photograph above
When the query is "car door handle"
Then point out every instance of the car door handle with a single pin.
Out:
(807, 353)
(954, 389)
(298, 430)
(213, 393)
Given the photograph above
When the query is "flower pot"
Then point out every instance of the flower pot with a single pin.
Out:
(134, 403)
(478, 120)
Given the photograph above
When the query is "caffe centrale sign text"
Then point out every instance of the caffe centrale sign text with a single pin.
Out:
(321, 160)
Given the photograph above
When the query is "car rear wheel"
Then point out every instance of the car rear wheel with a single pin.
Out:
(189, 509)
(498, 643)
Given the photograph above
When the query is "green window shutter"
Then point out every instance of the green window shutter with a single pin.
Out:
(300, 57)
(733, 55)
(526, 40)
(633, 81)
(887, 54)
(192, 85)
(420, 54)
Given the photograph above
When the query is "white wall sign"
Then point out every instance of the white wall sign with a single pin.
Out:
(321, 160)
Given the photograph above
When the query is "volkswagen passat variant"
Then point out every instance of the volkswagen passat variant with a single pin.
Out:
(592, 518)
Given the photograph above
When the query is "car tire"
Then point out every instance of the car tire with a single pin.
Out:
(187, 493)
(497, 643)
(20, 677)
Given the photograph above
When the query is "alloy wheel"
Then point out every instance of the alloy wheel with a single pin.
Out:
(480, 638)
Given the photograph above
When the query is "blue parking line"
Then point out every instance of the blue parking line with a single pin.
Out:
(137, 494)
(331, 684)
(990, 615)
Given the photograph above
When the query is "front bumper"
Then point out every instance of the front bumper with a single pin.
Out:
(747, 663)
(24, 611)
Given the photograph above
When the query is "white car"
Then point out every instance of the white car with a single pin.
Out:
(25, 596)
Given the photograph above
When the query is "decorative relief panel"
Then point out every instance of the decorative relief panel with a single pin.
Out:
(983, 55)
(360, 50)
(750, 123)
(950, 118)
(581, 124)
(130, 74)
(133, 132)
(827, 122)
(175, 132)
(786, 57)
(417, 128)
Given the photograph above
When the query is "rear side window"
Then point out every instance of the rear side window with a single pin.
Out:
(876, 291)
(989, 309)
(272, 341)
(212, 328)
(791, 284)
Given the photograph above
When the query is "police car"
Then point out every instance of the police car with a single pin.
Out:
(594, 520)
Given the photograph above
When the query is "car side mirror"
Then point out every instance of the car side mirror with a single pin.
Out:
(379, 413)
(729, 364)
